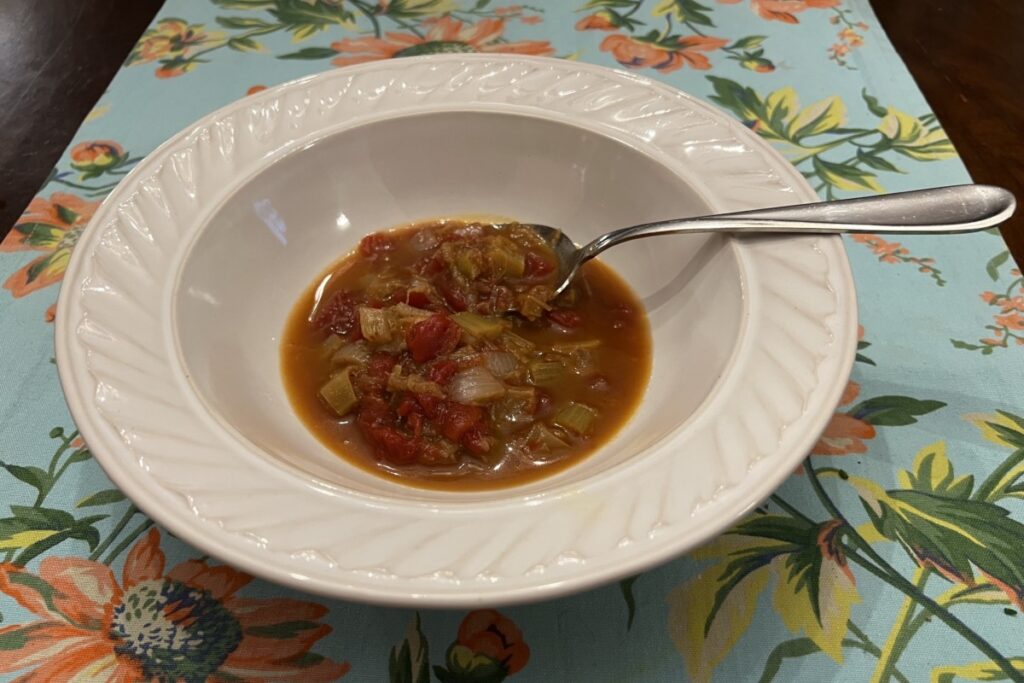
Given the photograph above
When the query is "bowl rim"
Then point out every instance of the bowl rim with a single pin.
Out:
(90, 421)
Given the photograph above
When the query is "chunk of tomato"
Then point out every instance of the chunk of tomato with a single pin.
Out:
(453, 295)
(565, 318)
(442, 371)
(537, 265)
(338, 314)
(457, 419)
(435, 336)
(417, 299)
(377, 243)
(395, 447)
(476, 441)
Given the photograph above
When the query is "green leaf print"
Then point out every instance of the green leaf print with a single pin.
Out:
(950, 535)
(893, 411)
(873, 106)
(992, 267)
(933, 473)
(310, 53)
(36, 477)
(814, 588)
(410, 662)
(626, 588)
(105, 497)
(817, 140)
(685, 11)
(242, 22)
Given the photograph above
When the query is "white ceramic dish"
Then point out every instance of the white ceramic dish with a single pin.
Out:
(169, 319)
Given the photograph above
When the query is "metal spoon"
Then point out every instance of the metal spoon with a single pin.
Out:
(943, 210)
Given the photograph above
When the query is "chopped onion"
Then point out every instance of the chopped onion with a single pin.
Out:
(501, 364)
(475, 386)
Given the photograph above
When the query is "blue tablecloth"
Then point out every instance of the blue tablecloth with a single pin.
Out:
(895, 554)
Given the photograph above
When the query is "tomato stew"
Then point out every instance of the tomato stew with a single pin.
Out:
(436, 354)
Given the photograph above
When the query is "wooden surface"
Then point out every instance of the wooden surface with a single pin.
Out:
(57, 56)
(56, 59)
(968, 59)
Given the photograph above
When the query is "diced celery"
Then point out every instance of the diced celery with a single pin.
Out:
(505, 259)
(515, 409)
(571, 347)
(526, 237)
(331, 344)
(532, 303)
(512, 342)
(541, 438)
(581, 356)
(404, 316)
(375, 325)
(339, 393)
(467, 262)
(485, 327)
(406, 311)
(546, 373)
(578, 418)
(351, 354)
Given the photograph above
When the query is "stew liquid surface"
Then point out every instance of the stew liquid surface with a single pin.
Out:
(436, 354)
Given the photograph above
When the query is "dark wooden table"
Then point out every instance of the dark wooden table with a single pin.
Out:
(968, 58)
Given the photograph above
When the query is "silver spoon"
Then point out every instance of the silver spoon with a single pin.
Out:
(943, 210)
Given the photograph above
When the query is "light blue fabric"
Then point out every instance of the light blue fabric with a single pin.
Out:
(912, 387)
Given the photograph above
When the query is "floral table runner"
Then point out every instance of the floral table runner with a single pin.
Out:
(895, 553)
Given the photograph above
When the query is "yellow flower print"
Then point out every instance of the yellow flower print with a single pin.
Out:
(911, 137)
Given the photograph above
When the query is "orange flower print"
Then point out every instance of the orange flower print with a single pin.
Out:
(786, 10)
(172, 41)
(186, 625)
(1007, 320)
(849, 38)
(845, 434)
(94, 157)
(1011, 321)
(837, 51)
(446, 34)
(894, 252)
(487, 632)
(637, 54)
(599, 21)
(49, 225)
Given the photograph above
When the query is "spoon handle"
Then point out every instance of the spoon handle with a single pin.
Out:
(960, 208)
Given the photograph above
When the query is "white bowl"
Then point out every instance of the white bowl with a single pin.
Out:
(172, 309)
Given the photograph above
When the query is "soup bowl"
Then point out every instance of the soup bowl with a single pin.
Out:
(170, 320)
